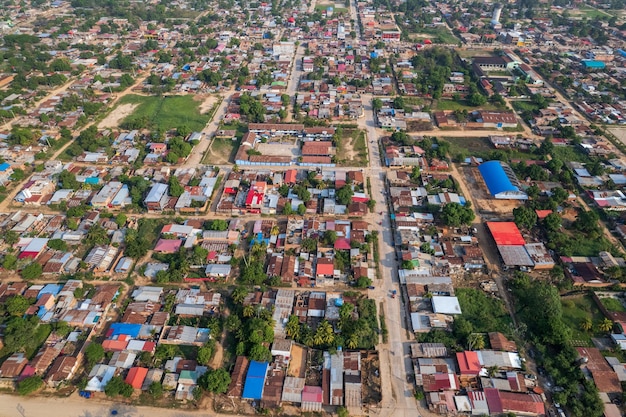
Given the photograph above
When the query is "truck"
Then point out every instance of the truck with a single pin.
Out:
(393, 293)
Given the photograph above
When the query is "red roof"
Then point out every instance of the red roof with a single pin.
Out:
(325, 266)
(114, 345)
(342, 243)
(522, 403)
(312, 394)
(168, 245)
(492, 396)
(136, 376)
(506, 233)
(542, 214)
(468, 363)
(290, 176)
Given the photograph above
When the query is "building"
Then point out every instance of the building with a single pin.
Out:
(501, 181)
(255, 381)
(157, 197)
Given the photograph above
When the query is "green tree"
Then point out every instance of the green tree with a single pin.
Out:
(116, 386)
(97, 235)
(31, 271)
(344, 195)
(156, 390)
(215, 381)
(176, 190)
(525, 217)
(17, 305)
(342, 412)
(94, 353)
(29, 385)
(120, 220)
(9, 262)
(204, 355)
(552, 222)
(605, 325)
(11, 237)
(377, 104)
(586, 324)
(57, 244)
(292, 329)
(454, 214)
(219, 225)
(475, 341)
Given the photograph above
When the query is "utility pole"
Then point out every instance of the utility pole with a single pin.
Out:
(20, 409)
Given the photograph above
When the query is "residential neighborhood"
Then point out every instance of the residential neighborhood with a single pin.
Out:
(357, 208)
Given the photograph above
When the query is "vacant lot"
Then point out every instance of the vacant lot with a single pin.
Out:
(577, 309)
(352, 149)
(165, 113)
(619, 132)
(462, 105)
(116, 115)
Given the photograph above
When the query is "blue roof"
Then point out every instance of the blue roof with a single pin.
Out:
(92, 180)
(129, 329)
(590, 63)
(495, 178)
(4, 166)
(255, 380)
(53, 289)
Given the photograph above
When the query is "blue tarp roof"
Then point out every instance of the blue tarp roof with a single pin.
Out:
(255, 380)
(495, 178)
(129, 329)
(53, 289)
(92, 180)
(590, 63)
(4, 166)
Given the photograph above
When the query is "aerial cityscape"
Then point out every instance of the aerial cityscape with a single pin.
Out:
(384, 208)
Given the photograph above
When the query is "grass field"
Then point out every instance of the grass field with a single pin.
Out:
(436, 35)
(462, 105)
(575, 310)
(335, 9)
(168, 112)
(613, 304)
(588, 12)
(481, 148)
(352, 151)
(521, 106)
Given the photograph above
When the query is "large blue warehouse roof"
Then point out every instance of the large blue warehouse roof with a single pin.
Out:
(255, 380)
(496, 179)
(129, 329)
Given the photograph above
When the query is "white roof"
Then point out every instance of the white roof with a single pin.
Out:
(446, 305)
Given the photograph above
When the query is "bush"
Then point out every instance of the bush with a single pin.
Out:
(29, 385)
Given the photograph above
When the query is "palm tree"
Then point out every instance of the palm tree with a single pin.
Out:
(353, 341)
(248, 311)
(586, 324)
(293, 327)
(475, 341)
(274, 231)
(324, 334)
(492, 370)
(606, 325)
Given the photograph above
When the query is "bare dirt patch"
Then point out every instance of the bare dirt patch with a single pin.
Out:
(297, 364)
(207, 103)
(117, 115)
(620, 133)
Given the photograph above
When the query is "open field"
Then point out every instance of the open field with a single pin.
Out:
(619, 133)
(324, 6)
(588, 12)
(461, 105)
(436, 35)
(575, 310)
(480, 147)
(118, 114)
(165, 113)
(352, 150)
(206, 103)
(470, 53)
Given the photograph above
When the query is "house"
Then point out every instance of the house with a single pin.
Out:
(13, 366)
(168, 245)
(157, 197)
(62, 370)
(136, 376)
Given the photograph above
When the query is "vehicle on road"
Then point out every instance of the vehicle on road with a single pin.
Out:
(394, 293)
(371, 288)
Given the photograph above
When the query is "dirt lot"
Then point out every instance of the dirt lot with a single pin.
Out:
(483, 200)
(297, 364)
(207, 102)
(117, 115)
(370, 370)
(619, 132)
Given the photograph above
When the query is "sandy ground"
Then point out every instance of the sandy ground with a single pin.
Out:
(207, 103)
(297, 364)
(74, 406)
(619, 132)
(279, 149)
(117, 115)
